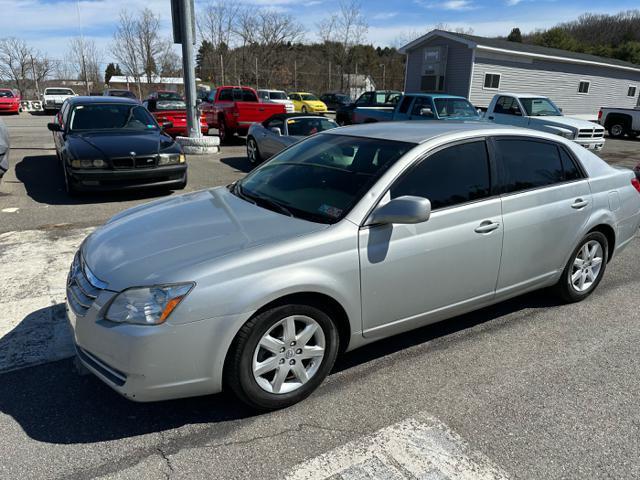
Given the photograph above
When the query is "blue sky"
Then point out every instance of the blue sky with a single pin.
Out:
(49, 24)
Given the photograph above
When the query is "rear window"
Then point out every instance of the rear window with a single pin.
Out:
(455, 107)
(277, 95)
(6, 94)
(170, 105)
(529, 164)
(58, 91)
(237, 95)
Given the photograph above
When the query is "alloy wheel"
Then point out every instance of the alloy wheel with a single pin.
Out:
(617, 130)
(289, 354)
(587, 265)
(251, 150)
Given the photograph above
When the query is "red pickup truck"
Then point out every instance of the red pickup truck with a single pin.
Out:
(233, 109)
(169, 107)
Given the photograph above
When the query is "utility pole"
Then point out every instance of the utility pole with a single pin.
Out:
(222, 69)
(188, 67)
(35, 77)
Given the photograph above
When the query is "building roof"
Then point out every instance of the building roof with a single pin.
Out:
(502, 45)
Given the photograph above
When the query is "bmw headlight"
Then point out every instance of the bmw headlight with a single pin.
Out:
(147, 305)
(98, 163)
(171, 158)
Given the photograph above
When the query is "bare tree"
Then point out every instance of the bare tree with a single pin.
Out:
(216, 25)
(15, 61)
(149, 43)
(84, 58)
(125, 47)
(344, 30)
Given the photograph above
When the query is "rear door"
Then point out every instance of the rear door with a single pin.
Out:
(546, 203)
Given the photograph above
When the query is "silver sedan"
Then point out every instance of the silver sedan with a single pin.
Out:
(345, 238)
(280, 131)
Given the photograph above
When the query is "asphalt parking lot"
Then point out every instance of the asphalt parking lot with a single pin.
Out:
(528, 389)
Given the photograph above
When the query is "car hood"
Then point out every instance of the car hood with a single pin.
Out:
(564, 122)
(166, 241)
(114, 145)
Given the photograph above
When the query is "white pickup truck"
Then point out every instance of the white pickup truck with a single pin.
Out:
(53, 97)
(620, 121)
(540, 113)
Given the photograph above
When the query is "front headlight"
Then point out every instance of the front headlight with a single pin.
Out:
(171, 158)
(147, 305)
(98, 163)
(567, 134)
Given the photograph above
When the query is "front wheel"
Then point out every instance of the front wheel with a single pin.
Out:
(281, 356)
(304, 109)
(585, 268)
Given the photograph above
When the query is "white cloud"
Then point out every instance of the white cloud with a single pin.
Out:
(383, 15)
(511, 3)
(457, 5)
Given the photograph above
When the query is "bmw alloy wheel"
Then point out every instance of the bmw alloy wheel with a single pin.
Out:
(587, 265)
(289, 354)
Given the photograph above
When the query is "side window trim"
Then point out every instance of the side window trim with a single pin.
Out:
(500, 165)
(493, 193)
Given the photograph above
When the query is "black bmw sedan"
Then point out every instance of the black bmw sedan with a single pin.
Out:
(111, 143)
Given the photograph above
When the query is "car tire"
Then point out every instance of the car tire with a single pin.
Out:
(223, 132)
(578, 279)
(633, 134)
(253, 153)
(69, 187)
(283, 362)
(617, 130)
(304, 109)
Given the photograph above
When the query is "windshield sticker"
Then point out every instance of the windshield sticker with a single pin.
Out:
(333, 212)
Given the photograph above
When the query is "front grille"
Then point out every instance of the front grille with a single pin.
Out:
(81, 292)
(134, 162)
(591, 133)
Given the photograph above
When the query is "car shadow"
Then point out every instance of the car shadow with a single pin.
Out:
(242, 164)
(52, 403)
(44, 182)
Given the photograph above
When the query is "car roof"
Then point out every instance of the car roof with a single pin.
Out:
(422, 131)
(433, 95)
(521, 95)
(285, 116)
(101, 99)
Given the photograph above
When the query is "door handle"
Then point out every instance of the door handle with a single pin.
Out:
(579, 203)
(486, 227)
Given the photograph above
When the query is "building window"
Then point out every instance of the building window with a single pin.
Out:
(434, 66)
(492, 81)
(584, 87)
(632, 91)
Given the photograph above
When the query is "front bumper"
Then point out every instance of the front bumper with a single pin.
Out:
(595, 144)
(10, 107)
(152, 363)
(102, 180)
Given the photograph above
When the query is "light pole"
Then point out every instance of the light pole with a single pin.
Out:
(383, 75)
(193, 120)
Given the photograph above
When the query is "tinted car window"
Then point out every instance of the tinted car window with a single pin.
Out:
(529, 164)
(507, 106)
(422, 107)
(322, 177)
(276, 123)
(308, 126)
(449, 177)
(569, 167)
(404, 105)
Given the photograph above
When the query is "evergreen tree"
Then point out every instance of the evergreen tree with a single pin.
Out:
(515, 35)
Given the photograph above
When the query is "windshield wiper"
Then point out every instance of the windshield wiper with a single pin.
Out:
(261, 201)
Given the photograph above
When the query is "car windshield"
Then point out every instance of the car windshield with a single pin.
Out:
(343, 98)
(171, 105)
(122, 94)
(540, 107)
(277, 95)
(58, 91)
(304, 127)
(111, 116)
(455, 107)
(169, 96)
(321, 178)
(6, 94)
(309, 96)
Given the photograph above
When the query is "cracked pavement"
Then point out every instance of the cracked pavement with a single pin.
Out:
(528, 388)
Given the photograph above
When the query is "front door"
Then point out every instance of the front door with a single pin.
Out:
(507, 111)
(416, 274)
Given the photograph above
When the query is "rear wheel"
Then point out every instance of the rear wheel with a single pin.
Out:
(223, 132)
(304, 109)
(617, 130)
(585, 268)
(281, 356)
(253, 154)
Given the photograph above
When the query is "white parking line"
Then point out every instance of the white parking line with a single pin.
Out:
(33, 269)
(421, 448)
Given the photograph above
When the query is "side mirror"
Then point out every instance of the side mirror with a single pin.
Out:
(560, 108)
(54, 127)
(166, 125)
(276, 131)
(404, 210)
